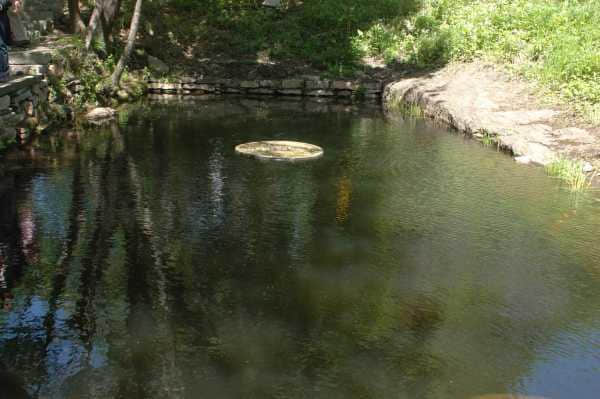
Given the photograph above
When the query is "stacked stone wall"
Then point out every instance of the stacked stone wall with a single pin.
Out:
(285, 87)
(24, 109)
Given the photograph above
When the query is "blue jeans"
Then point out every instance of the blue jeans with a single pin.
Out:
(3, 60)
(3, 53)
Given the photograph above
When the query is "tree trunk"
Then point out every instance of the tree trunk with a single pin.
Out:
(77, 24)
(92, 26)
(110, 11)
(105, 13)
(133, 29)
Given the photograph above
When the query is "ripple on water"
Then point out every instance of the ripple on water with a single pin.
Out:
(405, 262)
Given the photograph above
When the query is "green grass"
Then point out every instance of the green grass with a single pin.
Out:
(487, 138)
(555, 43)
(409, 109)
(571, 172)
(318, 32)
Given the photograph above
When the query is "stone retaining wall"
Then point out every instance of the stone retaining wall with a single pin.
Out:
(304, 105)
(286, 87)
(24, 109)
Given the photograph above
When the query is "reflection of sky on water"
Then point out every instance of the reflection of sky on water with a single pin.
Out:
(3, 267)
(217, 181)
(51, 200)
(26, 317)
(64, 353)
(566, 368)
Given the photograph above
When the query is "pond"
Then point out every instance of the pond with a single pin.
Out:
(146, 259)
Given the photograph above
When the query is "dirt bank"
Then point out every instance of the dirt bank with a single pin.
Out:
(481, 101)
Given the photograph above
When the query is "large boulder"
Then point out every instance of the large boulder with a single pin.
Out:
(157, 66)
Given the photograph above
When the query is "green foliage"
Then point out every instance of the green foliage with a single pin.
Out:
(556, 43)
(84, 79)
(320, 32)
(379, 40)
(6, 142)
(571, 172)
(409, 109)
(88, 69)
(488, 138)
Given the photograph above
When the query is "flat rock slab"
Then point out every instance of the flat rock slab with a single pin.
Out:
(477, 99)
(280, 150)
(36, 56)
(16, 84)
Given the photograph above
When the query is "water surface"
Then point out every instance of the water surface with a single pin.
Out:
(148, 260)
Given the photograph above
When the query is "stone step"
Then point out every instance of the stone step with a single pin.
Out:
(36, 56)
(39, 69)
(18, 83)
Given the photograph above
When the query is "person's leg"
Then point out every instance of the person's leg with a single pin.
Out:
(4, 40)
(4, 67)
(20, 37)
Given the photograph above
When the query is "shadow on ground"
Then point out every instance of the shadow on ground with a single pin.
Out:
(315, 34)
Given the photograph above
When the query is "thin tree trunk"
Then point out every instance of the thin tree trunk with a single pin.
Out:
(77, 24)
(92, 26)
(107, 35)
(104, 15)
(110, 11)
(133, 29)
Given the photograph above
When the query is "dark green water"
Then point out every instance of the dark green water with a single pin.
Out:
(147, 260)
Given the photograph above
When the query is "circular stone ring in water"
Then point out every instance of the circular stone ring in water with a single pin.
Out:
(280, 150)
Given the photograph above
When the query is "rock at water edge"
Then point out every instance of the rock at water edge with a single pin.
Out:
(100, 114)
(523, 160)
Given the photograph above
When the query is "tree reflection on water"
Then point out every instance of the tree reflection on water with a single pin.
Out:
(136, 263)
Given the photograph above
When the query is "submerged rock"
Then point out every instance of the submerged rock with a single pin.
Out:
(280, 150)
